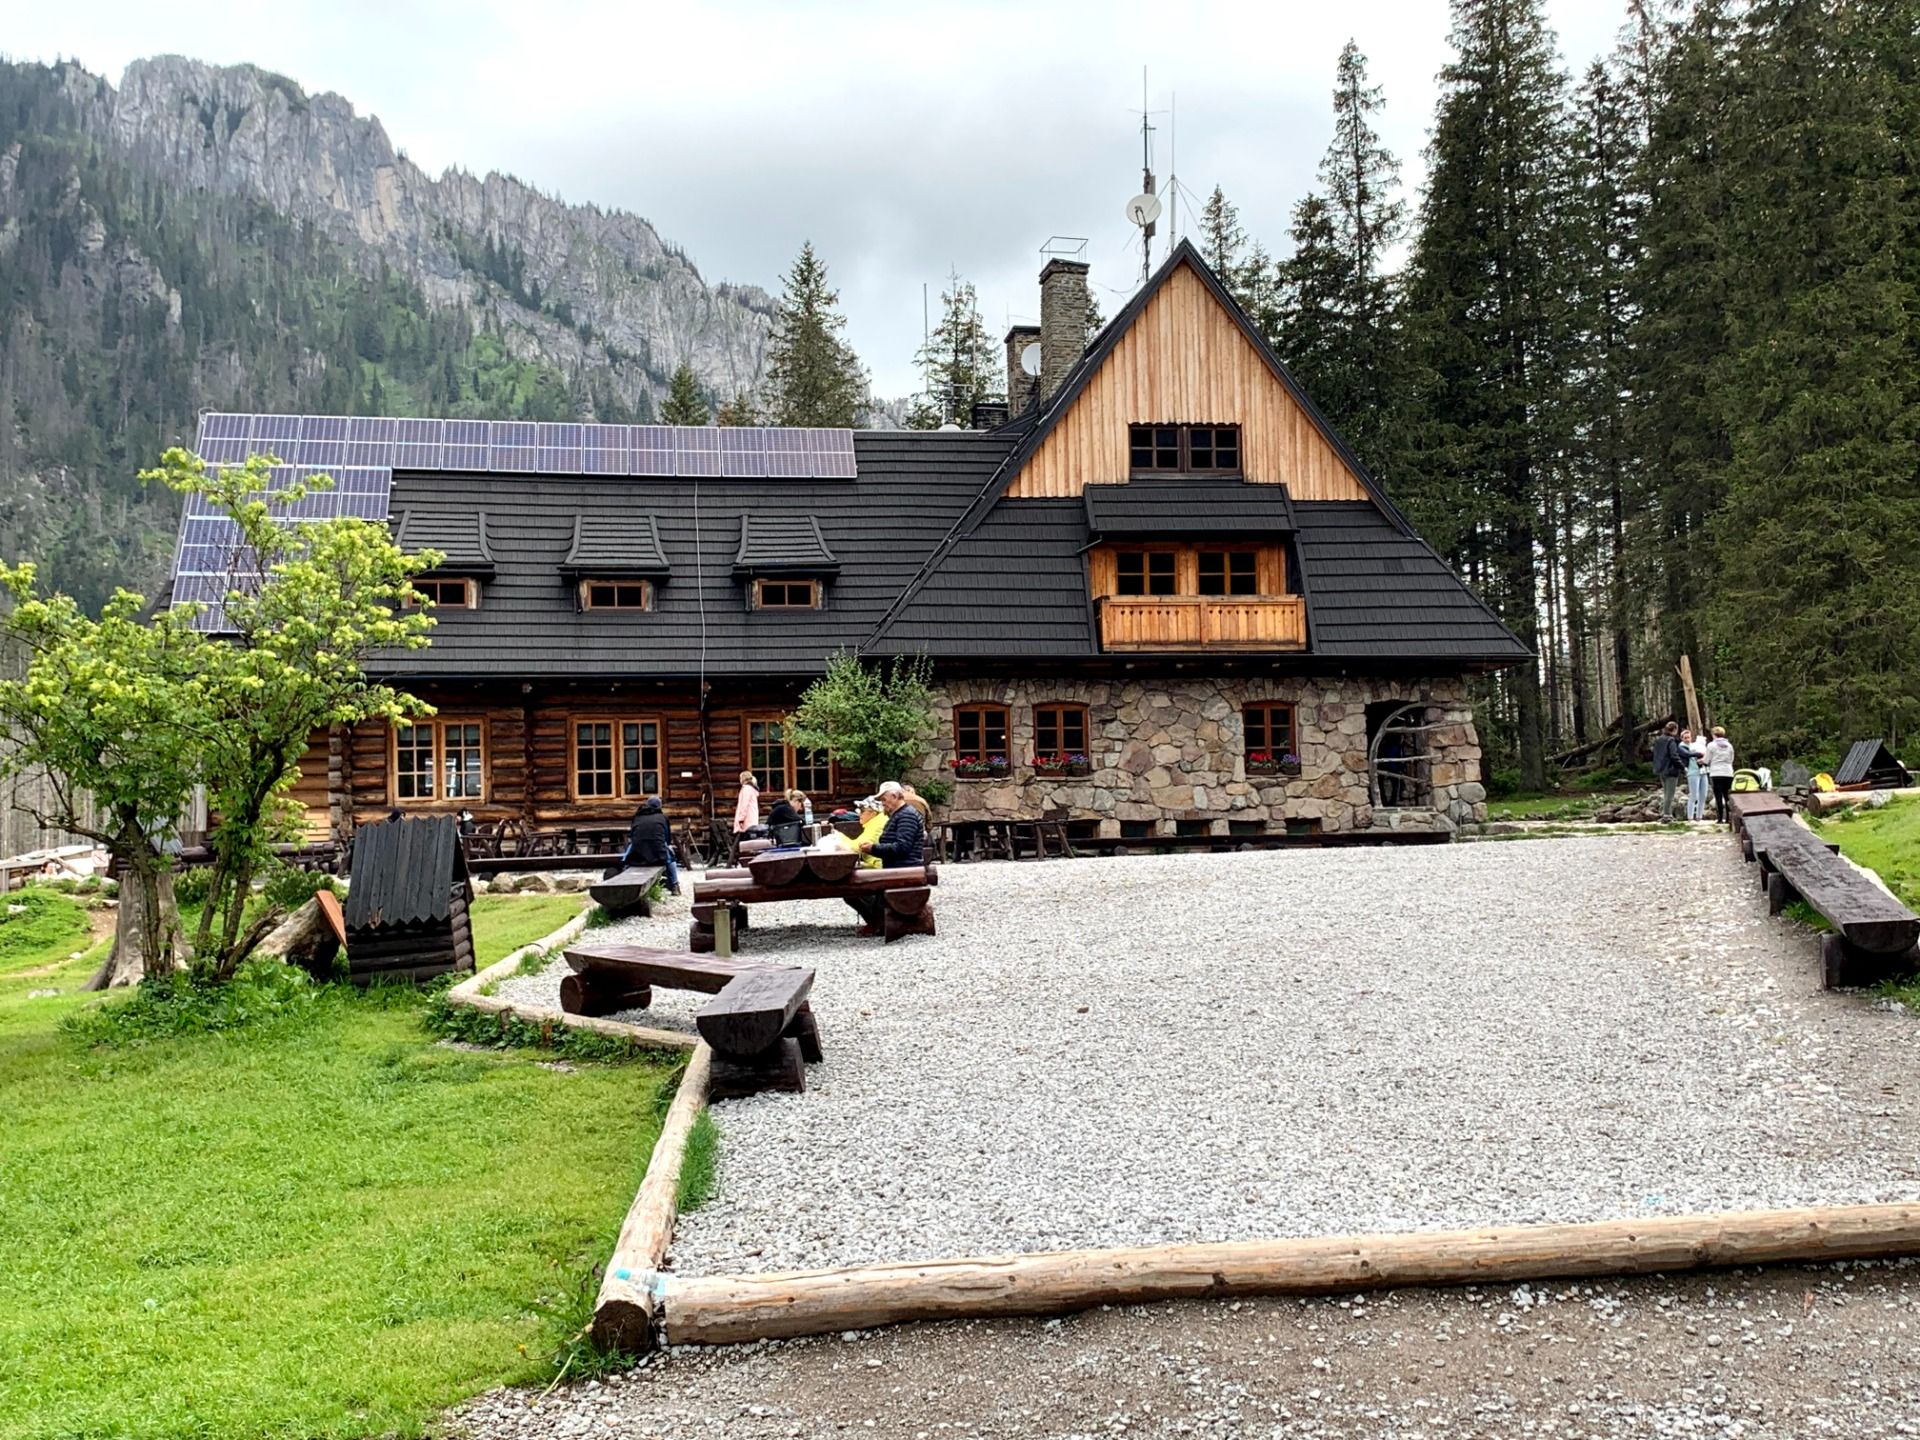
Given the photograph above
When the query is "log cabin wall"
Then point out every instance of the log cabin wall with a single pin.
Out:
(1185, 361)
(527, 741)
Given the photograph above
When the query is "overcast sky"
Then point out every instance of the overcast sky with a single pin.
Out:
(904, 139)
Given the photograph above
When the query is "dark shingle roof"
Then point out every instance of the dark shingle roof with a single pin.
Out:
(1188, 508)
(911, 490)
(782, 544)
(1377, 592)
(459, 533)
(616, 543)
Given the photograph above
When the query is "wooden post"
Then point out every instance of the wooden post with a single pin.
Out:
(623, 1311)
(723, 931)
(726, 1308)
(1685, 667)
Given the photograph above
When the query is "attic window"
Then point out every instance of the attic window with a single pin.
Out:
(786, 595)
(616, 595)
(1184, 449)
(443, 593)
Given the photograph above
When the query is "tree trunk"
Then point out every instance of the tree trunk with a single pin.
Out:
(146, 936)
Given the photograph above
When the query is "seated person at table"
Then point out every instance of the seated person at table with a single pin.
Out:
(873, 819)
(650, 842)
(901, 844)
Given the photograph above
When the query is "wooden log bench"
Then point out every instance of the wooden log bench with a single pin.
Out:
(1874, 936)
(626, 892)
(906, 893)
(759, 1024)
(1745, 805)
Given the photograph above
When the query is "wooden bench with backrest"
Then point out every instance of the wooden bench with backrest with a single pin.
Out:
(625, 892)
(1874, 936)
(759, 1024)
(906, 892)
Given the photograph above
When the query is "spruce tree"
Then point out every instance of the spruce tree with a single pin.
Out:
(1487, 280)
(1815, 608)
(813, 376)
(740, 410)
(684, 404)
(1221, 238)
(958, 364)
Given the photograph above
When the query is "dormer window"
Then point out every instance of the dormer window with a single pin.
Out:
(786, 595)
(1162, 450)
(443, 592)
(616, 595)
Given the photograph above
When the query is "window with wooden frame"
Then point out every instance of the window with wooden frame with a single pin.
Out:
(439, 760)
(616, 595)
(1155, 450)
(1059, 729)
(444, 592)
(780, 766)
(786, 594)
(1147, 572)
(1229, 572)
(616, 759)
(980, 734)
(1269, 731)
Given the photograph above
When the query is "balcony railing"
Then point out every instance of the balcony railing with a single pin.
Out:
(1203, 622)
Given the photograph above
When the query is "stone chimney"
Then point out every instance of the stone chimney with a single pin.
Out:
(1063, 320)
(1022, 388)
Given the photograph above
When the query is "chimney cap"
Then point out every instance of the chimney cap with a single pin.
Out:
(1057, 266)
(1023, 330)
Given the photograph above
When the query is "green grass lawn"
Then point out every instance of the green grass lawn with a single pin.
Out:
(319, 1223)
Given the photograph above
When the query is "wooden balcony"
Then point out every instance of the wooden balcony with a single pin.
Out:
(1203, 622)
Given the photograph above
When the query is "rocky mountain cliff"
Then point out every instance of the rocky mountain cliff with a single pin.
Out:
(605, 289)
(213, 237)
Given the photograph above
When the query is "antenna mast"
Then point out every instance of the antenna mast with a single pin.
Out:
(1146, 180)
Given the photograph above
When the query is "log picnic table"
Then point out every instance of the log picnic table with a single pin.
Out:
(906, 893)
(1874, 936)
(759, 1024)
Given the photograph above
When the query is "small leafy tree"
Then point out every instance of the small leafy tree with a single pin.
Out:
(103, 709)
(874, 719)
(137, 712)
(738, 411)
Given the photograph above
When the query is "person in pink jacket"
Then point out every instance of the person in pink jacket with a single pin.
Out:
(746, 810)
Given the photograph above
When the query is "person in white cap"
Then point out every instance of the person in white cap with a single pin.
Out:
(902, 843)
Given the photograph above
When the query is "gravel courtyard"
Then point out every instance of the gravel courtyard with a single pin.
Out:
(1214, 1047)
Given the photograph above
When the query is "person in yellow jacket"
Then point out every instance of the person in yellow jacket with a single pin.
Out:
(872, 821)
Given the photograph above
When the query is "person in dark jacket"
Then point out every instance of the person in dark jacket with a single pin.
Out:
(901, 844)
(1670, 764)
(650, 841)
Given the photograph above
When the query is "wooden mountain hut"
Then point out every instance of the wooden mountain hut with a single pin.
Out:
(406, 910)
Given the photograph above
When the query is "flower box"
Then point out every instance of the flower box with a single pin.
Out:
(1061, 765)
(1265, 762)
(980, 767)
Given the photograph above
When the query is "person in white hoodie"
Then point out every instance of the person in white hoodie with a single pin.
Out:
(1720, 771)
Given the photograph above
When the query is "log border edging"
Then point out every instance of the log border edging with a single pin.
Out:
(469, 993)
(727, 1309)
(623, 1311)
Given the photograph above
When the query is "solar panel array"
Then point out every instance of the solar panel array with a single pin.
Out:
(531, 447)
(362, 452)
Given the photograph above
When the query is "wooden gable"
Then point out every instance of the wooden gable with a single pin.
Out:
(1185, 360)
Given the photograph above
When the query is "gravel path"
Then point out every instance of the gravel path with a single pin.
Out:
(1155, 1049)
(1784, 1354)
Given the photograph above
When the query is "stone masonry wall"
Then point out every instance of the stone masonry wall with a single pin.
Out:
(1172, 749)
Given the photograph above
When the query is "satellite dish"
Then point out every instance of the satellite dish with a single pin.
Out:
(1143, 210)
(1030, 359)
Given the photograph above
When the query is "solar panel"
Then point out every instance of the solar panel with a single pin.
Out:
(464, 445)
(652, 449)
(743, 452)
(604, 449)
(696, 451)
(787, 455)
(370, 440)
(218, 426)
(832, 454)
(417, 444)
